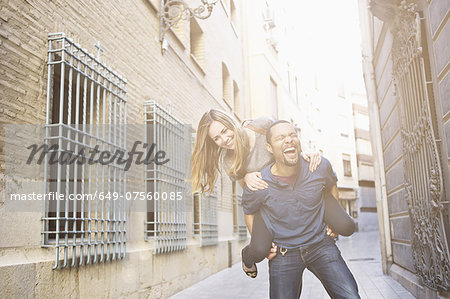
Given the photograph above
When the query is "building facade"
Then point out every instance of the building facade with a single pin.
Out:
(366, 198)
(406, 59)
(274, 82)
(106, 76)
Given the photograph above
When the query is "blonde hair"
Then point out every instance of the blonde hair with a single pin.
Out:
(206, 153)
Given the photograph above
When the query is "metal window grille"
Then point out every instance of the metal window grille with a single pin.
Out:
(205, 218)
(239, 225)
(86, 110)
(166, 217)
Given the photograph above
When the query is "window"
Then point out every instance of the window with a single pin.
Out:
(86, 111)
(317, 120)
(236, 101)
(274, 98)
(289, 79)
(226, 5)
(205, 218)
(344, 126)
(341, 90)
(239, 226)
(226, 86)
(166, 210)
(233, 14)
(346, 160)
(196, 209)
(197, 43)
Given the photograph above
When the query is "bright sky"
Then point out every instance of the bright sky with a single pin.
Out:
(329, 40)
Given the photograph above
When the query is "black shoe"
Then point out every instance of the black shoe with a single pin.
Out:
(250, 272)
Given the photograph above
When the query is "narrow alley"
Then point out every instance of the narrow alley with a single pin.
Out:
(361, 252)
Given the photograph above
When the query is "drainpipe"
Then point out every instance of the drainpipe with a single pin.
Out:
(377, 146)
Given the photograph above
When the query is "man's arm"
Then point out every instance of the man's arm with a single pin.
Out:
(253, 200)
(336, 217)
(334, 191)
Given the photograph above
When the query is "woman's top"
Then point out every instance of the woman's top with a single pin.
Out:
(258, 157)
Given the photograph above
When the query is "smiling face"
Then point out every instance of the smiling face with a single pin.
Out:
(221, 135)
(284, 144)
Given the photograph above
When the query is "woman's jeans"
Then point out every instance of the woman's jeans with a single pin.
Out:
(323, 259)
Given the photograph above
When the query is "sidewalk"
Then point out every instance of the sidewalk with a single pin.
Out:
(361, 252)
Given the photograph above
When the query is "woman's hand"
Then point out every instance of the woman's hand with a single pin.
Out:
(314, 160)
(272, 252)
(254, 181)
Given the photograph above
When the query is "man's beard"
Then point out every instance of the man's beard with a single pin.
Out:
(290, 163)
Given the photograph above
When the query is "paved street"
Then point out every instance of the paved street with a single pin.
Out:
(361, 252)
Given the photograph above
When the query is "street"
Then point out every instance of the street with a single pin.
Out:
(361, 252)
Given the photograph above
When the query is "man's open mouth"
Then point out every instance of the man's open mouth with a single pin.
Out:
(290, 152)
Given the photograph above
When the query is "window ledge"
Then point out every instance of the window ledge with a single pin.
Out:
(225, 8)
(177, 38)
(154, 5)
(234, 29)
(197, 64)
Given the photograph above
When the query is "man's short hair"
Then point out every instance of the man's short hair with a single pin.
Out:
(269, 130)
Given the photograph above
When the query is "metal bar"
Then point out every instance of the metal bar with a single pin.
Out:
(67, 168)
(116, 216)
(109, 219)
(45, 224)
(158, 220)
(96, 213)
(102, 123)
(59, 170)
(124, 107)
(75, 177)
(91, 130)
(83, 234)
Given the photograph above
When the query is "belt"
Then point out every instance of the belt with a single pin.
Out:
(282, 250)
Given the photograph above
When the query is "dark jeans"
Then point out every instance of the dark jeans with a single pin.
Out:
(323, 259)
(261, 242)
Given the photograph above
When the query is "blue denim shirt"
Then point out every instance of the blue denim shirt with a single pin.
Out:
(294, 215)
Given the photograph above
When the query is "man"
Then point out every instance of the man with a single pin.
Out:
(292, 208)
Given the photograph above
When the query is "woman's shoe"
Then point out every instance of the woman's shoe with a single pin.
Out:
(249, 271)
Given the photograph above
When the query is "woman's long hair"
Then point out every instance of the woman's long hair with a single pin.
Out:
(206, 154)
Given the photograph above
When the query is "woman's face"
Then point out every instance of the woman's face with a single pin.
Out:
(221, 135)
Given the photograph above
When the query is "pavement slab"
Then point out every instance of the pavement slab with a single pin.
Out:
(361, 251)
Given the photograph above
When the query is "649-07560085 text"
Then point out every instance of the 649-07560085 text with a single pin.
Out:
(134, 195)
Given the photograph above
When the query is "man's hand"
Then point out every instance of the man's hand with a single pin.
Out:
(272, 252)
(331, 233)
(254, 181)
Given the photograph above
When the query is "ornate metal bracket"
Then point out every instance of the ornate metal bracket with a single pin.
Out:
(172, 11)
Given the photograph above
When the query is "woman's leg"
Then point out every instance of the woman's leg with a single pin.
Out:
(260, 243)
(336, 217)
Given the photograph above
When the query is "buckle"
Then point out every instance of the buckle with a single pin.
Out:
(283, 251)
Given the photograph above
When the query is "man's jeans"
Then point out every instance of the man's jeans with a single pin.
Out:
(323, 259)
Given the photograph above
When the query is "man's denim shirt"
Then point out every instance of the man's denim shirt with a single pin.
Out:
(294, 215)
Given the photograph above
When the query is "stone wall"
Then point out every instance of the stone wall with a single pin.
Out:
(128, 31)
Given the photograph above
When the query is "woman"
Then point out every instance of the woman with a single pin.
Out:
(244, 154)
